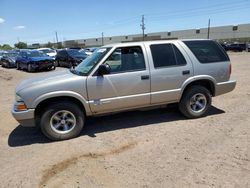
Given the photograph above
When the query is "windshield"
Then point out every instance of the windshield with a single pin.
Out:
(48, 51)
(11, 54)
(35, 54)
(89, 63)
(76, 53)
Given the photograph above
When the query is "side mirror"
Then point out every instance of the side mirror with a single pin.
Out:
(104, 69)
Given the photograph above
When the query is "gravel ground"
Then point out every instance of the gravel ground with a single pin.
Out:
(155, 148)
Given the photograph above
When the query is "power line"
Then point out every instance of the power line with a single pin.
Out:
(56, 39)
(102, 39)
(208, 29)
(143, 27)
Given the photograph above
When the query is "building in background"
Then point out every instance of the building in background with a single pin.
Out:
(231, 33)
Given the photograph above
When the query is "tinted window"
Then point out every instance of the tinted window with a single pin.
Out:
(165, 55)
(180, 60)
(126, 59)
(207, 51)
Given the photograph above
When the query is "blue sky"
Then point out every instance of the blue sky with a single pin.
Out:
(35, 21)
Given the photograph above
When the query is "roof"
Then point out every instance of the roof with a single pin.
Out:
(153, 41)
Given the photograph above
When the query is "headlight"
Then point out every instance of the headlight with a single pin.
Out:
(19, 105)
(18, 98)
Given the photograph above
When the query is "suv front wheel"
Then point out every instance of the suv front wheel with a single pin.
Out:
(195, 102)
(62, 121)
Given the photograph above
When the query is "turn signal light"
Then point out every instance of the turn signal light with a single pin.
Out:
(21, 107)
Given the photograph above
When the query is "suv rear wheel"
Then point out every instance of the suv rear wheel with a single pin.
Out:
(62, 121)
(195, 102)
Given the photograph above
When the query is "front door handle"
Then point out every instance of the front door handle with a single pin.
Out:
(145, 77)
(185, 72)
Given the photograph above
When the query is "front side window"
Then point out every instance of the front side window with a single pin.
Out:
(126, 59)
(166, 55)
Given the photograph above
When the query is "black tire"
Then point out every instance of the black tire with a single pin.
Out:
(30, 69)
(194, 98)
(53, 67)
(17, 66)
(47, 121)
(57, 63)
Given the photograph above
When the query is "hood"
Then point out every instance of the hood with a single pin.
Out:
(53, 84)
(11, 59)
(40, 58)
(48, 79)
(79, 57)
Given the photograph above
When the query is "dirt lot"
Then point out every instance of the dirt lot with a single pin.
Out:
(157, 148)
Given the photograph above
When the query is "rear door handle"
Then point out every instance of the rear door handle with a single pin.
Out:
(145, 77)
(185, 72)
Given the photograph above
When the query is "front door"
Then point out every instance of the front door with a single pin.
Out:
(127, 86)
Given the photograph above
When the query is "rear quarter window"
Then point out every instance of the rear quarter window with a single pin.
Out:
(207, 51)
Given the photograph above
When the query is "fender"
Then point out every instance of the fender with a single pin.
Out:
(63, 94)
(196, 78)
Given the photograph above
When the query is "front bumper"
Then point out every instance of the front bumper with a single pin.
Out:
(26, 118)
(224, 87)
(42, 65)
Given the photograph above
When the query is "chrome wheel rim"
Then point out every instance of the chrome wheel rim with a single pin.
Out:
(198, 102)
(63, 122)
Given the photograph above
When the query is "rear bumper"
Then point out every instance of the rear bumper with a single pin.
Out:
(25, 118)
(224, 87)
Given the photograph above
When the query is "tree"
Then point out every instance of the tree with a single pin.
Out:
(6, 47)
(49, 45)
(21, 45)
(60, 45)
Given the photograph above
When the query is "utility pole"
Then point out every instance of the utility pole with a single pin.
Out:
(208, 29)
(56, 39)
(143, 27)
(102, 39)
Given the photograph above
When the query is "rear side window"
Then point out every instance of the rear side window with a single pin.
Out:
(165, 55)
(207, 51)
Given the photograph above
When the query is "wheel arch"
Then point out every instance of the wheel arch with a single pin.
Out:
(207, 82)
(42, 104)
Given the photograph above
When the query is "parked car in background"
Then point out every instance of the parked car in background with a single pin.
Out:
(125, 76)
(33, 60)
(1, 55)
(225, 46)
(70, 57)
(237, 47)
(9, 59)
(89, 51)
(248, 47)
(50, 52)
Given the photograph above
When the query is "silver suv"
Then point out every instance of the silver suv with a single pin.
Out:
(122, 77)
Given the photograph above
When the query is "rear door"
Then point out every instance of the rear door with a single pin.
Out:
(170, 68)
(126, 87)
